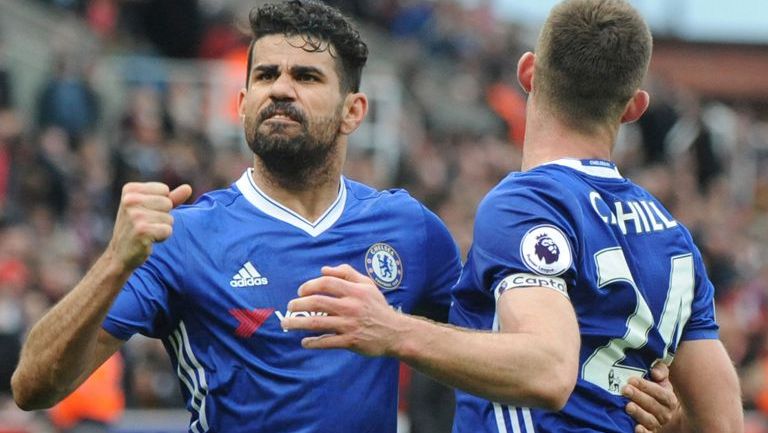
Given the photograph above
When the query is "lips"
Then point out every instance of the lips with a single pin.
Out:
(280, 116)
(281, 111)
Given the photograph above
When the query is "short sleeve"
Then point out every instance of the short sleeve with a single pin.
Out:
(144, 304)
(524, 237)
(702, 324)
(443, 267)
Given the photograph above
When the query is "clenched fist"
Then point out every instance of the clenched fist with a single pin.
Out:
(143, 219)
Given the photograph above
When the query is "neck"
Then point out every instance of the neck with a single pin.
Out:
(309, 197)
(547, 139)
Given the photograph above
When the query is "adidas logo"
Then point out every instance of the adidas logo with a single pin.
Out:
(248, 276)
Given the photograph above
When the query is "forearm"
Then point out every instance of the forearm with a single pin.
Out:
(517, 368)
(532, 360)
(60, 346)
(725, 416)
(727, 421)
(708, 389)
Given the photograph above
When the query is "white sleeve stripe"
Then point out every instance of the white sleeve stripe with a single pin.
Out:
(500, 424)
(512, 412)
(526, 412)
(515, 281)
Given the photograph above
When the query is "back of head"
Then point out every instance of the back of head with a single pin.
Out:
(591, 58)
(322, 27)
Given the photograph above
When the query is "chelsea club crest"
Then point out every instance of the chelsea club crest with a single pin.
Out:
(384, 266)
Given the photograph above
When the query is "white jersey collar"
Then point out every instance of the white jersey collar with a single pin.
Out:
(273, 208)
(592, 167)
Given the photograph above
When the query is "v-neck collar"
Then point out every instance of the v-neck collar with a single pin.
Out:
(273, 208)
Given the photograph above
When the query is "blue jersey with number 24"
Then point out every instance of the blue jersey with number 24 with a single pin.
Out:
(630, 270)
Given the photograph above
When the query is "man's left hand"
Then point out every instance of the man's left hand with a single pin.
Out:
(653, 404)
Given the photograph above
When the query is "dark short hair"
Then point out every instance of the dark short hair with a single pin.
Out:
(322, 27)
(591, 58)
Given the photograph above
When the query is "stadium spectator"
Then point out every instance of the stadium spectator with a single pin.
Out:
(67, 100)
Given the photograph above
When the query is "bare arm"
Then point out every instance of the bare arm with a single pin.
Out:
(65, 346)
(708, 387)
(532, 361)
(68, 343)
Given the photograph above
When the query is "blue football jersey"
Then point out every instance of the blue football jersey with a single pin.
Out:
(216, 290)
(631, 271)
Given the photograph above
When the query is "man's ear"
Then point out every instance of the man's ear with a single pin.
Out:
(525, 67)
(241, 104)
(355, 109)
(636, 106)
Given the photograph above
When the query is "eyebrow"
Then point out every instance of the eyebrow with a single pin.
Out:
(300, 70)
(294, 70)
(265, 68)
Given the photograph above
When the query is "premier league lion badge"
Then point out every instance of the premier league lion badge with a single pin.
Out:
(546, 251)
(384, 266)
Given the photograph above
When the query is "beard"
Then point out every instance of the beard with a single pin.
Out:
(294, 160)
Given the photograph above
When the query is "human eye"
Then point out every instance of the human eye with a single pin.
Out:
(307, 77)
(265, 76)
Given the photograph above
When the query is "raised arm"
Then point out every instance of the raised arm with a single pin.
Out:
(706, 382)
(68, 343)
(531, 361)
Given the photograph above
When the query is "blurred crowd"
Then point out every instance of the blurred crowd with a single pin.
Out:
(461, 126)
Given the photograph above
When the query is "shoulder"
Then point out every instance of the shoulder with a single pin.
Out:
(389, 200)
(395, 206)
(207, 204)
(527, 206)
(543, 187)
(546, 180)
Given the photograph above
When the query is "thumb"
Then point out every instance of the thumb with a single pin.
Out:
(345, 272)
(660, 372)
(180, 194)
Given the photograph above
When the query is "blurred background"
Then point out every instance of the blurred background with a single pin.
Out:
(94, 93)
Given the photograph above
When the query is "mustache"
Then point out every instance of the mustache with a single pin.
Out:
(282, 108)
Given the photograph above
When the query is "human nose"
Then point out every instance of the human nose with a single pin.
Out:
(283, 88)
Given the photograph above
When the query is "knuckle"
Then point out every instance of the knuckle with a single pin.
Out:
(317, 322)
(135, 215)
(642, 385)
(158, 188)
(354, 340)
(131, 198)
(164, 218)
(166, 204)
(130, 187)
(348, 327)
(348, 308)
(141, 229)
